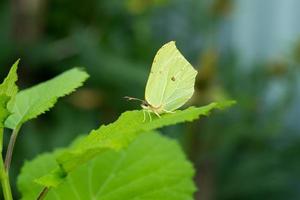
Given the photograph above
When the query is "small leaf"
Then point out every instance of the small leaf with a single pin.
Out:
(3, 110)
(41, 165)
(152, 167)
(8, 91)
(34, 101)
(120, 134)
(9, 87)
(3, 115)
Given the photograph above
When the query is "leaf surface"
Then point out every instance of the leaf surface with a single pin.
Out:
(38, 99)
(119, 135)
(152, 167)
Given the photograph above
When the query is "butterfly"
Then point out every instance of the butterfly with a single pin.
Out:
(170, 84)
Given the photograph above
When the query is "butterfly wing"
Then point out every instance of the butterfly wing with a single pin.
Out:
(171, 80)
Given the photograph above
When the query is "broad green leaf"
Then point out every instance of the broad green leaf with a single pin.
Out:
(152, 167)
(9, 87)
(34, 101)
(119, 134)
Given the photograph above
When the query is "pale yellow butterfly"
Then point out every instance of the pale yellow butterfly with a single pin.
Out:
(171, 82)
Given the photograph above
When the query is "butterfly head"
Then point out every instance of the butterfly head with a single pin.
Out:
(157, 110)
(145, 105)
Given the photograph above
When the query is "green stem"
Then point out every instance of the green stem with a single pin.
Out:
(10, 148)
(4, 167)
(4, 175)
(1, 140)
(5, 182)
(43, 194)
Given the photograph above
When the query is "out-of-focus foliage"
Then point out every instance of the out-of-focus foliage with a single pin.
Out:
(248, 153)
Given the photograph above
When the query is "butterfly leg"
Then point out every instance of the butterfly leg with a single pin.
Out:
(157, 114)
(144, 114)
(166, 111)
(149, 115)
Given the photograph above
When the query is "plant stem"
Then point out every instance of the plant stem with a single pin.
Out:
(3, 173)
(5, 182)
(1, 140)
(10, 148)
(43, 193)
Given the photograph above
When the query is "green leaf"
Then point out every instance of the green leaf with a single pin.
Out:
(34, 101)
(3, 110)
(8, 90)
(9, 87)
(152, 167)
(120, 134)
(39, 166)
(3, 115)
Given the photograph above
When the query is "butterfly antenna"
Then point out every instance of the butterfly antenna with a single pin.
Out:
(133, 99)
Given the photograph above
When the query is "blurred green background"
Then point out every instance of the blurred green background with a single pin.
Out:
(247, 50)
